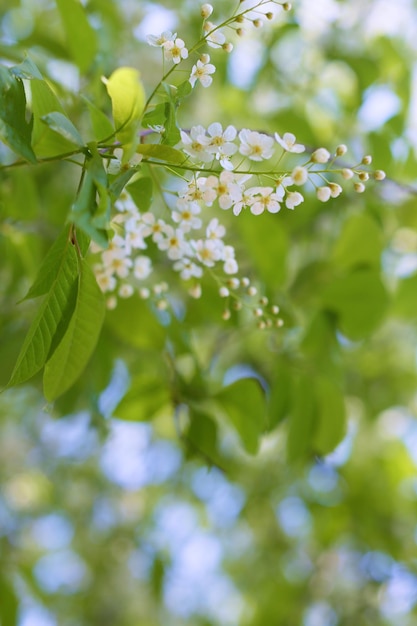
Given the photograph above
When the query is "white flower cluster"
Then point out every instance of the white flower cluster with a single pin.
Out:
(191, 247)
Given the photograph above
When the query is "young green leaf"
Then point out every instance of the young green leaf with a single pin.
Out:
(128, 100)
(51, 320)
(76, 347)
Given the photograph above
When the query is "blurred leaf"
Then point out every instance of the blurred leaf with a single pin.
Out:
(134, 323)
(81, 38)
(302, 418)
(9, 604)
(405, 298)
(266, 245)
(360, 243)
(244, 404)
(331, 416)
(359, 299)
(148, 393)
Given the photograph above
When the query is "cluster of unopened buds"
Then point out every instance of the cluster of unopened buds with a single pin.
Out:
(224, 168)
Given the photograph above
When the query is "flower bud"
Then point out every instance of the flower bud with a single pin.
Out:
(335, 190)
(252, 291)
(205, 58)
(258, 23)
(363, 176)
(275, 309)
(341, 150)
(226, 315)
(347, 173)
(206, 11)
(379, 174)
(224, 292)
(324, 194)
(299, 175)
(367, 160)
(227, 47)
(320, 156)
(287, 6)
(359, 187)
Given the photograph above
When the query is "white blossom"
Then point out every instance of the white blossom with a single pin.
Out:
(324, 194)
(142, 267)
(299, 175)
(195, 144)
(188, 269)
(264, 198)
(293, 199)
(214, 37)
(201, 71)
(288, 142)
(256, 146)
(186, 216)
(175, 50)
(161, 39)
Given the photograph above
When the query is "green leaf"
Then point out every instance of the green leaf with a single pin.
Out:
(102, 126)
(302, 418)
(81, 38)
(330, 426)
(244, 404)
(162, 153)
(47, 272)
(128, 101)
(141, 191)
(51, 320)
(88, 214)
(172, 134)
(360, 243)
(360, 301)
(156, 116)
(76, 347)
(27, 69)
(45, 141)
(15, 131)
(63, 126)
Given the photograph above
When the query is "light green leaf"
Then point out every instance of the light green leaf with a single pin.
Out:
(360, 243)
(81, 38)
(51, 320)
(15, 131)
(201, 436)
(244, 404)
(76, 347)
(133, 322)
(46, 142)
(128, 101)
(162, 153)
(141, 191)
(330, 425)
(64, 127)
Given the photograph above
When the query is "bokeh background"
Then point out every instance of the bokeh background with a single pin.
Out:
(149, 521)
